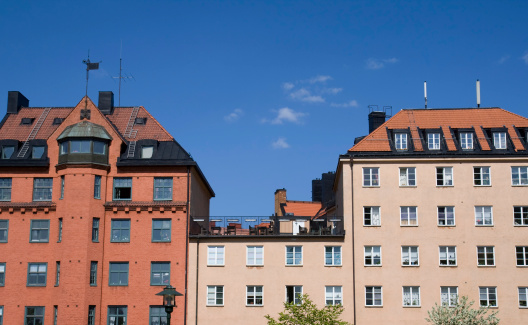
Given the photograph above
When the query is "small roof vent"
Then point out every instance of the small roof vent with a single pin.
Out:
(27, 121)
(57, 121)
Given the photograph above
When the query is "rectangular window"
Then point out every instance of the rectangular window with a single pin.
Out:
(333, 295)
(371, 176)
(62, 188)
(95, 230)
(4, 227)
(37, 152)
(522, 255)
(123, 188)
(481, 176)
(60, 231)
(449, 296)
(5, 189)
(7, 151)
(400, 140)
(55, 314)
(97, 187)
(466, 140)
(411, 296)
(372, 255)
(444, 176)
(2, 274)
(37, 274)
(446, 216)
(255, 255)
(215, 255)
(158, 315)
(483, 216)
(409, 256)
(64, 148)
(163, 188)
(1, 315)
(118, 274)
(215, 295)
(407, 176)
(34, 315)
(332, 255)
(57, 273)
(254, 296)
(488, 296)
(42, 188)
(147, 151)
(408, 216)
(39, 231)
(294, 255)
(161, 230)
(160, 273)
(519, 176)
(120, 231)
(99, 147)
(433, 141)
(117, 315)
(371, 216)
(373, 296)
(91, 315)
(448, 256)
(93, 273)
(80, 146)
(523, 297)
(499, 140)
(486, 255)
(294, 294)
(520, 218)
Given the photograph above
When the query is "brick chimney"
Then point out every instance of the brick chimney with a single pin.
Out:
(15, 100)
(280, 197)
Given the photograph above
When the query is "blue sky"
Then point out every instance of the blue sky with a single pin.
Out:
(267, 94)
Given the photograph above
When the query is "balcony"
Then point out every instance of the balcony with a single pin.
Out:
(266, 226)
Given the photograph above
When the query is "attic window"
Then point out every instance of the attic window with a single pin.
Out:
(57, 121)
(141, 120)
(147, 151)
(27, 121)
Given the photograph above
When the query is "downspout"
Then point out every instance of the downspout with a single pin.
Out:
(102, 257)
(186, 245)
(353, 240)
(196, 286)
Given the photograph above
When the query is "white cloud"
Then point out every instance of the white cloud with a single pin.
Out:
(280, 144)
(235, 115)
(305, 96)
(504, 58)
(525, 57)
(317, 79)
(352, 103)
(287, 86)
(286, 114)
(376, 64)
(332, 91)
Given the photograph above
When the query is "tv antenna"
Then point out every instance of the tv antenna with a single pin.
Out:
(121, 77)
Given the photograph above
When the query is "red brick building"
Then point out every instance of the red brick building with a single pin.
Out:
(94, 203)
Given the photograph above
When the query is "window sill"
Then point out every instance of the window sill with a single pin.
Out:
(371, 186)
(520, 185)
(448, 265)
(377, 265)
(333, 265)
(161, 241)
(254, 305)
(408, 225)
(293, 265)
(38, 242)
(214, 265)
(410, 265)
(122, 242)
(118, 285)
(408, 186)
(367, 306)
(522, 267)
(521, 225)
(447, 226)
(487, 266)
(482, 185)
(484, 226)
(93, 285)
(445, 185)
(412, 306)
(254, 265)
(214, 305)
(371, 225)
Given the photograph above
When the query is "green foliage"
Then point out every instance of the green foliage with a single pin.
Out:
(461, 314)
(307, 313)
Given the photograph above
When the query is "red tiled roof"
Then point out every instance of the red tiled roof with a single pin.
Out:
(302, 208)
(443, 119)
(150, 130)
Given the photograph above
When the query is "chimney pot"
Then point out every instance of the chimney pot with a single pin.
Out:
(106, 102)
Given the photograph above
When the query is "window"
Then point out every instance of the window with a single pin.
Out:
(39, 231)
(488, 296)
(80, 146)
(372, 255)
(407, 176)
(519, 175)
(433, 141)
(371, 216)
(117, 315)
(499, 140)
(60, 231)
(42, 189)
(120, 230)
(147, 151)
(4, 226)
(158, 315)
(99, 147)
(163, 188)
(294, 255)
(449, 296)
(481, 176)
(160, 273)
(444, 176)
(294, 294)
(93, 273)
(140, 120)
(333, 255)
(520, 217)
(401, 141)
(485, 255)
(448, 256)
(161, 230)
(55, 314)
(7, 151)
(62, 188)
(64, 148)
(408, 216)
(215, 295)
(371, 176)
(57, 273)
(411, 296)
(91, 315)
(97, 187)
(2, 274)
(95, 230)
(522, 255)
(254, 296)
(123, 188)
(466, 140)
(409, 256)
(5, 189)
(446, 216)
(37, 152)
(215, 255)
(1, 315)
(373, 296)
(37, 274)
(483, 216)
(34, 316)
(333, 295)
(255, 255)
(118, 274)
(523, 297)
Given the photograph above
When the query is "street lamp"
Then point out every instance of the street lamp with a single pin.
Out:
(169, 301)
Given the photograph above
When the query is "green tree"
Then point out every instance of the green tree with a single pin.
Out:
(461, 314)
(307, 313)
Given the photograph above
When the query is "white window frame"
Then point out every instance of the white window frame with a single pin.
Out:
(215, 255)
(443, 216)
(433, 141)
(254, 295)
(486, 250)
(412, 291)
(212, 295)
(408, 253)
(481, 215)
(522, 175)
(523, 291)
(297, 294)
(408, 211)
(333, 294)
(371, 177)
(374, 216)
(444, 175)
(522, 211)
(407, 176)
(449, 296)
(466, 140)
(400, 141)
(370, 252)
(375, 290)
(487, 292)
(524, 255)
(450, 253)
(484, 175)
(252, 253)
(336, 257)
(294, 257)
(500, 140)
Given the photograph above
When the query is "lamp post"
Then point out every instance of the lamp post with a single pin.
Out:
(169, 301)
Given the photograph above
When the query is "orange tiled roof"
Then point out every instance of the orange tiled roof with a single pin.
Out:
(302, 208)
(476, 118)
(150, 130)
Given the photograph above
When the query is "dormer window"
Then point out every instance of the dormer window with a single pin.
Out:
(27, 121)
(499, 140)
(37, 152)
(140, 121)
(57, 121)
(7, 151)
(466, 140)
(147, 151)
(433, 141)
(401, 141)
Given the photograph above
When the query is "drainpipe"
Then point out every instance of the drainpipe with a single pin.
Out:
(197, 271)
(186, 244)
(353, 240)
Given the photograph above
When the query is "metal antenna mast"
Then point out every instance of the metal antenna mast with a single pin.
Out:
(89, 66)
(120, 73)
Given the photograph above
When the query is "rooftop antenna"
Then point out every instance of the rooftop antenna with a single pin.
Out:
(89, 66)
(425, 93)
(478, 93)
(121, 77)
